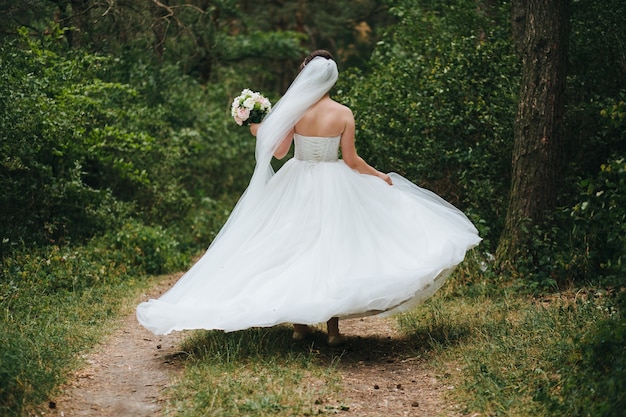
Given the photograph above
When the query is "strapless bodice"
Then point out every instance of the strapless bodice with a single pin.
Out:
(316, 149)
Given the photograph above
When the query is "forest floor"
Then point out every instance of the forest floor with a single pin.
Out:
(127, 375)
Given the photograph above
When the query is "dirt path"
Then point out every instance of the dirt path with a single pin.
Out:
(126, 375)
(381, 374)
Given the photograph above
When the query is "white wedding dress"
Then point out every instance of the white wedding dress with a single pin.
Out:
(325, 241)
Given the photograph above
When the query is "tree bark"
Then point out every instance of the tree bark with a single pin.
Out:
(537, 145)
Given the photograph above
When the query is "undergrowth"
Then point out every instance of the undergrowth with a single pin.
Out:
(58, 301)
(511, 353)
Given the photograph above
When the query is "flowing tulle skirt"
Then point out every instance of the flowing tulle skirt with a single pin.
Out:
(325, 242)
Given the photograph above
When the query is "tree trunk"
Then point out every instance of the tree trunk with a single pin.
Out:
(537, 145)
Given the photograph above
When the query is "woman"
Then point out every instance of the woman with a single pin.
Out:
(323, 238)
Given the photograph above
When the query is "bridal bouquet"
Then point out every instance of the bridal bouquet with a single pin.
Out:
(250, 107)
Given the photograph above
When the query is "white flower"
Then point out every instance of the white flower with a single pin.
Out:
(249, 107)
(249, 103)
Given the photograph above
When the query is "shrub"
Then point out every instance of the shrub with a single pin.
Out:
(61, 159)
(90, 141)
(599, 223)
(141, 249)
(53, 300)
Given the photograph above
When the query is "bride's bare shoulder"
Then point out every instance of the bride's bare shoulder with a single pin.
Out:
(340, 108)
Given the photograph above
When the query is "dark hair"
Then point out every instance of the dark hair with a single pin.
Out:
(320, 52)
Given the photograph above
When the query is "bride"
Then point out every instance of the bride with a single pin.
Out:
(323, 238)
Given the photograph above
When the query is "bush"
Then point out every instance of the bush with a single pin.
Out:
(91, 141)
(53, 299)
(599, 224)
(62, 161)
(141, 249)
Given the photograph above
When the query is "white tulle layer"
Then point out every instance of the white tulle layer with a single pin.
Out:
(326, 242)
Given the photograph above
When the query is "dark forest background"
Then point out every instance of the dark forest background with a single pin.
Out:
(119, 159)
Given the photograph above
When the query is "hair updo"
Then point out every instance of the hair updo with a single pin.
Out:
(320, 52)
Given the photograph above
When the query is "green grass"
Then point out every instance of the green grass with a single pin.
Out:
(256, 372)
(57, 302)
(510, 354)
(42, 338)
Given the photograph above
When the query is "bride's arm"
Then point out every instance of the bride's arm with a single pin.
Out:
(350, 156)
(283, 146)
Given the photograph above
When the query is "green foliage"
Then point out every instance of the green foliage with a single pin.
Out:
(267, 39)
(269, 45)
(129, 149)
(596, 49)
(42, 336)
(203, 223)
(590, 237)
(45, 113)
(583, 241)
(596, 128)
(599, 223)
(53, 299)
(438, 103)
(100, 151)
(91, 140)
(149, 249)
(347, 28)
(132, 251)
(52, 114)
(597, 387)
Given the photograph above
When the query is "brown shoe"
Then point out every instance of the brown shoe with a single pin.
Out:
(302, 333)
(338, 340)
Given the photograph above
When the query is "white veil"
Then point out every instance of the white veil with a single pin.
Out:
(313, 82)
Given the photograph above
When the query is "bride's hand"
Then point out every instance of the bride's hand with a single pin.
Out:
(384, 177)
(254, 127)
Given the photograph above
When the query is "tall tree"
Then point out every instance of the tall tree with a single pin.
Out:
(537, 148)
